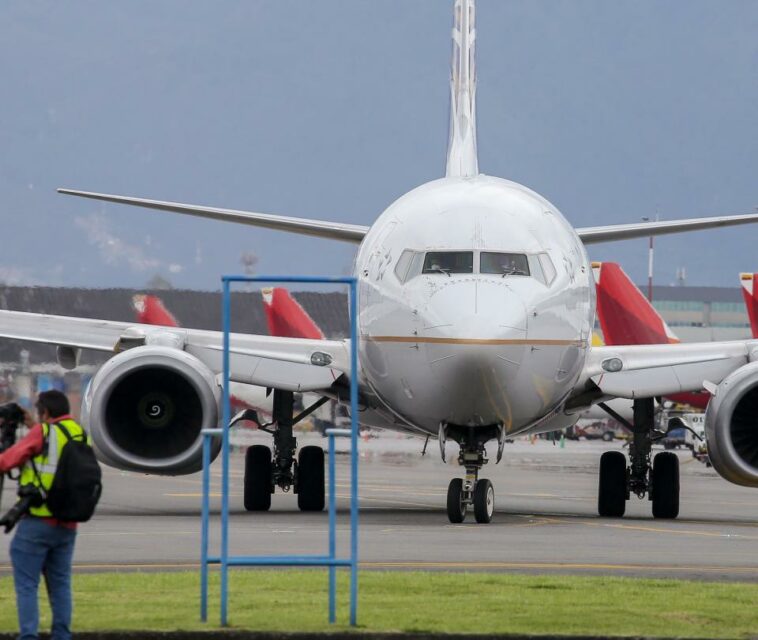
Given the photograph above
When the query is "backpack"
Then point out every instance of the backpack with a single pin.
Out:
(77, 483)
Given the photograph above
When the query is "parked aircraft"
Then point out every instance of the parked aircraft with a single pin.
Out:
(476, 308)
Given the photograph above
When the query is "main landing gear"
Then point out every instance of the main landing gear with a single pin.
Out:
(660, 481)
(472, 490)
(263, 473)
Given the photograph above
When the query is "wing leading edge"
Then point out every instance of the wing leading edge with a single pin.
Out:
(644, 371)
(303, 226)
(612, 233)
(282, 363)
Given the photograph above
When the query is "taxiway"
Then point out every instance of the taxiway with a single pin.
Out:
(545, 519)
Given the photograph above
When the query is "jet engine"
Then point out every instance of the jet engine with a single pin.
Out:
(145, 409)
(731, 427)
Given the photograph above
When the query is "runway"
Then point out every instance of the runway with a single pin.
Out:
(545, 519)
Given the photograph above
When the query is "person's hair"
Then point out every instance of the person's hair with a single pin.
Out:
(54, 401)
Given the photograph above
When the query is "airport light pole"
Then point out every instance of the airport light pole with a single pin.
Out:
(649, 264)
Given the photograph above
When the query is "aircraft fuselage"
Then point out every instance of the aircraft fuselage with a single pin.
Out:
(487, 341)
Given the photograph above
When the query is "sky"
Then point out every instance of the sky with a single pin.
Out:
(334, 108)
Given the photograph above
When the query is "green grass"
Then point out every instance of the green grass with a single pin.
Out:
(290, 600)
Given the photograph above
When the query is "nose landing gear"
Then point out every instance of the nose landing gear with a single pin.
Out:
(471, 491)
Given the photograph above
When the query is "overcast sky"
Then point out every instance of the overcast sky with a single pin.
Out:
(334, 108)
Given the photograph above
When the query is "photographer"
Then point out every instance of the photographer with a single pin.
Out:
(42, 545)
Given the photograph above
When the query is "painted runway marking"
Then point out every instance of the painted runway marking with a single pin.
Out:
(649, 529)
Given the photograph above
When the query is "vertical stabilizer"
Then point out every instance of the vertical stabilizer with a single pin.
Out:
(625, 315)
(751, 302)
(286, 318)
(151, 310)
(461, 154)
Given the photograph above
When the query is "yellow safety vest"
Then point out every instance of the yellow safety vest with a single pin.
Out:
(47, 461)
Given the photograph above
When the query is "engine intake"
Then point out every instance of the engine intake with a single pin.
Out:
(731, 427)
(145, 409)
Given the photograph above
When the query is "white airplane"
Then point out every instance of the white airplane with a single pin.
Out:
(476, 309)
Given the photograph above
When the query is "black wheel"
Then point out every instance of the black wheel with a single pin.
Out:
(258, 487)
(665, 486)
(310, 479)
(456, 510)
(612, 496)
(484, 501)
(608, 436)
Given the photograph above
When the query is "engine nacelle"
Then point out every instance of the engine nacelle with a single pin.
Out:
(731, 427)
(145, 409)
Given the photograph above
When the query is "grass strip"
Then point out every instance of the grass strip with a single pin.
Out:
(295, 600)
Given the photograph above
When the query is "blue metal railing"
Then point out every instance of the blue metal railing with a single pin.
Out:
(331, 561)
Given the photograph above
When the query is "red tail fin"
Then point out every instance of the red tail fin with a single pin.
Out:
(626, 316)
(751, 302)
(150, 310)
(286, 318)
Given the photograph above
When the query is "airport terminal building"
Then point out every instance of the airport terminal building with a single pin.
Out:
(703, 314)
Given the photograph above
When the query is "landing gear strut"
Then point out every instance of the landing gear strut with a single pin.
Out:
(475, 491)
(264, 473)
(659, 480)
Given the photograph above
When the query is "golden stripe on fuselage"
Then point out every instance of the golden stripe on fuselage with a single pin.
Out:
(475, 341)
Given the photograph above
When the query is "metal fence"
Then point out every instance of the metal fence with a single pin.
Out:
(330, 560)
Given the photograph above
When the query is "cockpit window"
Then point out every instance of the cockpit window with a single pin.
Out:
(449, 262)
(505, 264)
(547, 268)
(401, 268)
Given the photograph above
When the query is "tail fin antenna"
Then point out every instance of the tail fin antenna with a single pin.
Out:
(461, 154)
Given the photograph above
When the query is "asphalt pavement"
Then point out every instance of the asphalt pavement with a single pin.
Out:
(545, 519)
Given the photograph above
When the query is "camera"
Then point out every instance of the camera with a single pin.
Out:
(12, 416)
(28, 496)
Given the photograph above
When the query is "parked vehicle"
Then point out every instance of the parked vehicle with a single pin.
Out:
(606, 431)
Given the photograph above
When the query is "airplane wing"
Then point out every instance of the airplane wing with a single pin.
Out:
(644, 371)
(284, 363)
(303, 226)
(611, 233)
(355, 232)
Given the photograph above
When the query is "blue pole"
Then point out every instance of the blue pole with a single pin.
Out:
(225, 460)
(332, 535)
(354, 453)
(204, 531)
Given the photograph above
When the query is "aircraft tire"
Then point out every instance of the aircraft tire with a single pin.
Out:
(310, 479)
(257, 482)
(611, 496)
(484, 501)
(456, 510)
(665, 486)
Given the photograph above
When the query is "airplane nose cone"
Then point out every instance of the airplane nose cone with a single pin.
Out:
(476, 310)
(476, 353)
